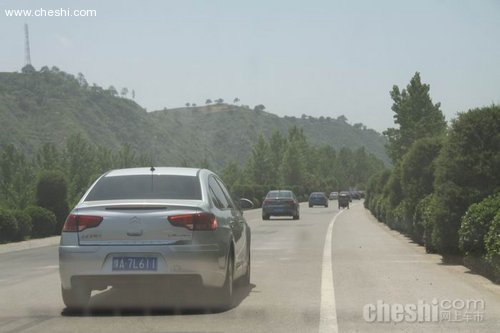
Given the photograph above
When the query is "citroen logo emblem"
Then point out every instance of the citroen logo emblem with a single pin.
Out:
(135, 220)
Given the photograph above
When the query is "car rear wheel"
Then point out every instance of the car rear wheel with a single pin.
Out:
(76, 298)
(246, 277)
(225, 293)
(296, 217)
(265, 216)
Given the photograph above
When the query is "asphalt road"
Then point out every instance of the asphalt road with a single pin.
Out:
(373, 269)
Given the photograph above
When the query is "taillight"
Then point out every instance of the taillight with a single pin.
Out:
(197, 221)
(76, 222)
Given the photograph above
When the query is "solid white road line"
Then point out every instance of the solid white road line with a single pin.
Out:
(328, 312)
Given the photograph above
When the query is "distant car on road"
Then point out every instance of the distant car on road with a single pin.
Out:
(318, 199)
(154, 225)
(334, 195)
(280, 203)
(355, 195)
(344, 200)
(347, 193)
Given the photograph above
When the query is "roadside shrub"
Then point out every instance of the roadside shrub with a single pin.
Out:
(434, 234)
(380, 208)
(402, 217)
(475, 225)
(8, 226)
(466, 171)
(492, 245)
(24, 224)
(43, 220)
(52, 194)
(419, 228)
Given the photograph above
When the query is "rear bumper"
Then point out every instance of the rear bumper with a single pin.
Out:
(93, 264)
(271, 211)
(318, 203)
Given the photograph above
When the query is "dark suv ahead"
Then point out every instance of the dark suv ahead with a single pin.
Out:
(318, 199)
(280, 203)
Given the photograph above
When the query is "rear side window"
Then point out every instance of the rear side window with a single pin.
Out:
(146, 187)
(217, 194)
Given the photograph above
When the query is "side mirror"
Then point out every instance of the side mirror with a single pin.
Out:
(245, 204)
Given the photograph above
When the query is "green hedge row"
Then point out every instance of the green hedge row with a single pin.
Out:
(445, 191)
(32, 222)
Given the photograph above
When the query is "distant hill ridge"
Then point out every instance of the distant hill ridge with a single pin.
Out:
(49, 105)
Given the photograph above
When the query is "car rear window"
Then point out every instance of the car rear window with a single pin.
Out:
(279, 194)
(146, 187)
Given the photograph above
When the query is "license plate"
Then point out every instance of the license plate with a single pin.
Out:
(135, 264)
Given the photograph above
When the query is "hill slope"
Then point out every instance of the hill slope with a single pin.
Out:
(50, 105)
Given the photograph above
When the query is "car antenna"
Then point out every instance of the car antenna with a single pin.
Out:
(152, 170)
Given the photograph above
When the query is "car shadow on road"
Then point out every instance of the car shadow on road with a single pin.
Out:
(147, 301)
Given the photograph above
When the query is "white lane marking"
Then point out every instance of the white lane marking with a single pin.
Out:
(328, 312)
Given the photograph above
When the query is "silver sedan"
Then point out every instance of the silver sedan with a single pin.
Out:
(154, 224)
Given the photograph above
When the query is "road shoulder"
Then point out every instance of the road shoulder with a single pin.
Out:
(29, 244)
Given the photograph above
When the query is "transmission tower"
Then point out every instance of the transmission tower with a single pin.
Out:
(27, 55)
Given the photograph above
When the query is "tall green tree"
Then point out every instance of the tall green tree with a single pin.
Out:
(52, 194)
(80, 165)
(277, 147)
(231, 174)
(16, 178)
(416, 116)
(293, 167)
(259, 163)
(48, 157)
(125, 157)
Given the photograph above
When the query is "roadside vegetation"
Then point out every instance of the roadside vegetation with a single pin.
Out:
(58, 133)
(444, 188)
(290, 162)
(37, 192)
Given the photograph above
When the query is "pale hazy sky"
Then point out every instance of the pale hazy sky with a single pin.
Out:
(314, 57)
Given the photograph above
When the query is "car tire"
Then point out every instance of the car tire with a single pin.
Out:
(310, 206)
(225, 293)
(246, 278)
(265, 216)
(296, 217)
(76, 298)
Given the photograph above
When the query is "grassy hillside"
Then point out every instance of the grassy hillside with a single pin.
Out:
(235, 129)
(50, 105)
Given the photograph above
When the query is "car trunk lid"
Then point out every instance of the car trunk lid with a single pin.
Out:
(134, 224)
